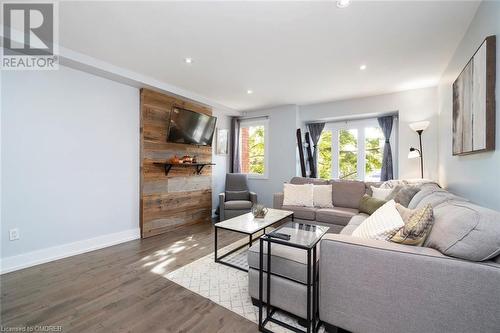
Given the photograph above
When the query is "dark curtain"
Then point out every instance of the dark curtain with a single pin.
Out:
(386, 126)
(235, 145)
(315, 132)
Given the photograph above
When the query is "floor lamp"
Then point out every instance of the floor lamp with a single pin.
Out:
(419, 127)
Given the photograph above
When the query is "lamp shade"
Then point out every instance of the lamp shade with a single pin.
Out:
(420, 126)
(413, 153)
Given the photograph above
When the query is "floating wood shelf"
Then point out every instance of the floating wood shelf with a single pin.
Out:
(168, 166)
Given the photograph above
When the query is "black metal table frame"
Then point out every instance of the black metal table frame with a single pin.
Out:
(218, 259)
(314, 321)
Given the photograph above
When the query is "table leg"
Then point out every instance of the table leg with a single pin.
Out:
(261, 280)
(215, 245)
(250, 241)
(268, 298)
(315, 292)
(308, 291)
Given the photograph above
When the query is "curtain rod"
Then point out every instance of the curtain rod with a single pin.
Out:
(253, 118)
(342, 120)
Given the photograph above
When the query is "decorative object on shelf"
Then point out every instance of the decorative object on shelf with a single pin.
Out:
(187, 159)
(193, 160)
(175, 160)
(419, 127)
(474, 102)
(222, 142)
(259, 211)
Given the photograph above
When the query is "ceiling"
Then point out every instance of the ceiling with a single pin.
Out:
(285, 52)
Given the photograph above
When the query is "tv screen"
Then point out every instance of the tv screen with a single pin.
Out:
(191, 127)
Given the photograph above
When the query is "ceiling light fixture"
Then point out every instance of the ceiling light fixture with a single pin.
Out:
(362, 67)
(188, 60)
(249, 91)
(343, 3)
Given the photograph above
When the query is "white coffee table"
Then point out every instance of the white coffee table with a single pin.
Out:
(249, 225)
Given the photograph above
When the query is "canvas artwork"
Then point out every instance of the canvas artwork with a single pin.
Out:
(474, 102)
(222, 141)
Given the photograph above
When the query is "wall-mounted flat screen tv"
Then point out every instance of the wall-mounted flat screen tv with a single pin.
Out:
(191, 127)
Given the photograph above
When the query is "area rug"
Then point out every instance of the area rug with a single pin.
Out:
(225, 285)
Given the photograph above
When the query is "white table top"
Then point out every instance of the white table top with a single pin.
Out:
(248, 224)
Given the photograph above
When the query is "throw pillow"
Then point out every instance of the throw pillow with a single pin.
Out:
(237, 195)
(381, 193)
(369, 205)
(298, 195)
(418, 223)
(322, 196)
(405, 195)
(382, 224)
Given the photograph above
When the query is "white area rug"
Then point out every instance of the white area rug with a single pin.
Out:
(226, 286)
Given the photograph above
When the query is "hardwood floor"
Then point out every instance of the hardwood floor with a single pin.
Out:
(115, 290)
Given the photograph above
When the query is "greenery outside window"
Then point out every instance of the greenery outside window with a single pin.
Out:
(253, 147)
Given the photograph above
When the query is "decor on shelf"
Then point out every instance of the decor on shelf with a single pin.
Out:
(222, 142)
(474, 102)
(419, 127)
(259, 211)
(187, 159)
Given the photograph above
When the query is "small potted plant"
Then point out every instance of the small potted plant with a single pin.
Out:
(259, 211)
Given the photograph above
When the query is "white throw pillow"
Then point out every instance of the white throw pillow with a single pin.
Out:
(382, 224)
(298, 195)
(381, 193)
(322, 196)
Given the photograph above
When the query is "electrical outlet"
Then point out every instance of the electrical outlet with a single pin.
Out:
(14, 234)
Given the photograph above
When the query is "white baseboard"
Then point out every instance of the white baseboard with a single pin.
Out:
(33, 258)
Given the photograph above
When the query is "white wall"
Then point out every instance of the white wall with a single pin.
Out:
(221, 166)
(412, 106)
(282, 151)
(474, 176)
(70, 163)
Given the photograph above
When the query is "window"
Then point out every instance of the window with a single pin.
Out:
(354, 150)
(253, 147)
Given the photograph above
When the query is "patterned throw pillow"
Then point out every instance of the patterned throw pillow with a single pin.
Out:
(417, 224)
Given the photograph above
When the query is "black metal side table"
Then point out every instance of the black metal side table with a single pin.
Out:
(302, 236)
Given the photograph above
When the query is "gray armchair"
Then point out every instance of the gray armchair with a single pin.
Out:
(237, 198)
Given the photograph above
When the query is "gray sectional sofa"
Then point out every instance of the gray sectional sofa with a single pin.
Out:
(451, 284)
(345, 196)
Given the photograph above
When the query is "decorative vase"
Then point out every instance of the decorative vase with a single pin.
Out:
(259, 211)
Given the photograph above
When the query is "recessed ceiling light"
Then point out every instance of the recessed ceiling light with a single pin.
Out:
(362, 67)
(249, 91)
(188, 60)
(343, 3)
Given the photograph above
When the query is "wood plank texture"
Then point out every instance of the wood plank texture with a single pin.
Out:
(182, 197)
(120, 289)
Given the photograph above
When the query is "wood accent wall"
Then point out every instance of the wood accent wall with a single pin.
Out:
(182, 197)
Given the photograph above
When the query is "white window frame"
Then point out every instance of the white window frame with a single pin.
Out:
(259, 122)
(359, 125)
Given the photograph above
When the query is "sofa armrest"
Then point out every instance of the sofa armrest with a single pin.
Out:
(222, 199)
(253, 197)
(378, 286)
(278, 200)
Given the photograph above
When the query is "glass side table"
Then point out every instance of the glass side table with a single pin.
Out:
(302, 236)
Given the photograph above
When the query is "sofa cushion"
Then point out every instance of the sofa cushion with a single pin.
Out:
(403, 194)
(347, 193)
(466, 231)
(304, 180)
(322, 196)
(335, 215)
(285, 261)
(304, 213)
(355, 221)
(237, 204)
(237, 195)
(433, 197)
